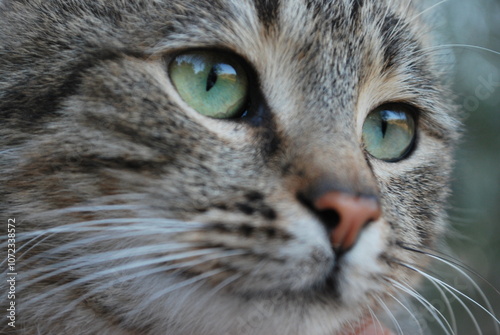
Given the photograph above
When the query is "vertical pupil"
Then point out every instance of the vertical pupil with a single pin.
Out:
(384, 124)
(212, 77)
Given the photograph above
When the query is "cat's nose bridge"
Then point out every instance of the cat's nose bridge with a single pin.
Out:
(333, 179)
(334, 168)
(351, 212)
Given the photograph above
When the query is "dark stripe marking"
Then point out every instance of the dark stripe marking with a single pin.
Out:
(21, 101)
(392, 44)
(356, 8)
(267, 11)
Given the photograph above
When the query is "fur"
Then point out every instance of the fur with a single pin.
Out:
(137, 215)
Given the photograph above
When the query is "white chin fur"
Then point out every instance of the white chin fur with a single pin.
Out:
(361, 263)
(198, 310)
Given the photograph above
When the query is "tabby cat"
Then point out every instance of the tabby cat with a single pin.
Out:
(222, 167)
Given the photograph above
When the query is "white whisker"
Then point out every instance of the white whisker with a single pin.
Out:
(100, 238)
(24, 245)
(143, 273)
(98, 225)
(467, 46)
(438, 316)
(421, 331)
(447, 302)
(427, 9)
(451, 289)
(83, 209)
(454, 264)
(391, 315)
(182, 284)
(448, 306)
(446, 285)
(375, 318)
(476, 286)
(219, 287)
(104, 257)
(98, 275)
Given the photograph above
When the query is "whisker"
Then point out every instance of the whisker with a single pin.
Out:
(24, 245)
(454, 264)
(460, 219)
(427, 9)
(184, 283)
(448, 306)
(98, 275)
(446, 258)
(104, 257)
(351, 326)
(444, 298)
(466, 46)
(450, 288)
(375, 318)
(94, 239)
(476, 286)
(221, 286)
(83, 209)
(391, 315)
(438, 316)
(86, 226)
(409, 312)
(143, 273)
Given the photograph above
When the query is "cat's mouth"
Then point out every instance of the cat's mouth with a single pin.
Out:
(332, 281)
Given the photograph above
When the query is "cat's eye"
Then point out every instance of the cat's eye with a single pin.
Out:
(389, 132)
(215, 84)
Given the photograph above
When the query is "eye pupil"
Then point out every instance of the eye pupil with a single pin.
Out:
(384, 124)
(212, 77)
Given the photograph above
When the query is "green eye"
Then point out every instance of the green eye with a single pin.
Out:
(212, 83)
(389, 132)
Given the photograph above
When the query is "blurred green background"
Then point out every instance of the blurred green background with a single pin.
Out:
(475, 205)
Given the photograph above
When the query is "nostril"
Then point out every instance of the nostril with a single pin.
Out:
(329, 217)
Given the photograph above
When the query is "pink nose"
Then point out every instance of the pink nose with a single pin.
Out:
(354, 213)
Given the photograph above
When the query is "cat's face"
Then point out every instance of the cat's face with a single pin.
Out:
(182, 164)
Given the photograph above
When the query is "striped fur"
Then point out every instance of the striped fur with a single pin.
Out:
(136, 215)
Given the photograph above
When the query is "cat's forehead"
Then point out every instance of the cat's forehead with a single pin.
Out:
(313, 55)
(320, 57)
(306, 41)
(247, 22)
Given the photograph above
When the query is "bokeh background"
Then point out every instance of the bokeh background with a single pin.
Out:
(475, 205)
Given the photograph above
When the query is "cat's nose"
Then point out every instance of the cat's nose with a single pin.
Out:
(351, 212)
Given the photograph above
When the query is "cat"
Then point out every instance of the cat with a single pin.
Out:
(223, 167)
